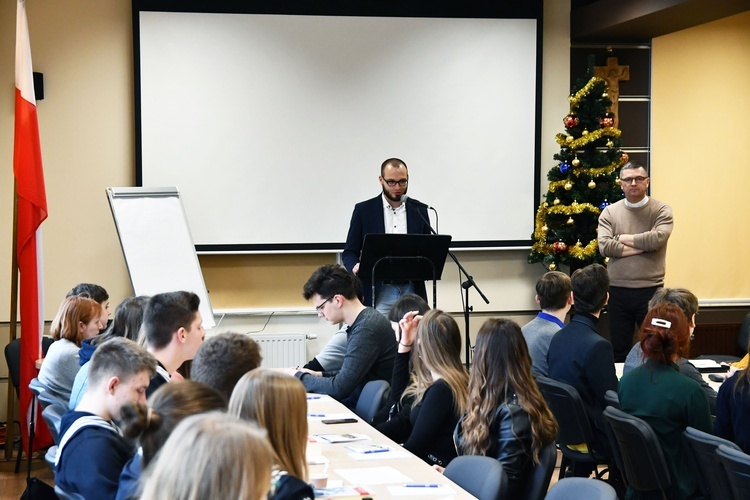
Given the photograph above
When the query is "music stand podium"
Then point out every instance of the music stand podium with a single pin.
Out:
(404, 257)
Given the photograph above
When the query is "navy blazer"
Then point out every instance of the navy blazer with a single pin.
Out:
(368, 218)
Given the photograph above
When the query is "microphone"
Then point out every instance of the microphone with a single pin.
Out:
(414, 201)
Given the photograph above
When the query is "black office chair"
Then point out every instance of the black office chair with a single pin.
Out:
(371, 399)
(13, 359)
(703, 462)
(483, 477)
(538, 481)
(612, 399)
(575, 428)
(579, 487)
(737, 466)
(643, 459)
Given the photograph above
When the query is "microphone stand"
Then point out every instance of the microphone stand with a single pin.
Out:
(466, 285)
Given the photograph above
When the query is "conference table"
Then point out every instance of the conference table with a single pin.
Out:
(357, 461)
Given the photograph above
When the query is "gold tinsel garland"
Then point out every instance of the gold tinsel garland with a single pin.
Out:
(580, 252)
(587, 172)
(544, 209)
(586, 139)
(576, 98)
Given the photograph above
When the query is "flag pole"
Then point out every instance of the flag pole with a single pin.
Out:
(11, 406)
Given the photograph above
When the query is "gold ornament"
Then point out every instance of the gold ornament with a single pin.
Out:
(545, 228)
(578, 243)
(576, 161)
(552, 266)
(605, 95)
(556, 202)
(585, 132)
(570, 221)
(592, 184)
(606, 260)
(568, 186)
(569, 138)
(610, 144)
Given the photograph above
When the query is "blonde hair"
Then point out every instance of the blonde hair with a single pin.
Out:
(74, 310)
(211, 455)
(438, 351)
(278, 403)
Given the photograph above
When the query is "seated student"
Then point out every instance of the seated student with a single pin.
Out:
(277, 402)
(439, 387)
(402, 365)
(507, 416)
(332, 356)
(127, 323)
(223, 359)
(96, 292)
(151, 424)
(554, 296)
(580, 357)
(733, 409)
(173, 329)
(688, 303)
(92, 453)
(370, 349)
(659, 394)
(77, 320)
(211, 455)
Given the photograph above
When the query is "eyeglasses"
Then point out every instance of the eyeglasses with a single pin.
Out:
(392, 183)
(630, 180)
(319, 308)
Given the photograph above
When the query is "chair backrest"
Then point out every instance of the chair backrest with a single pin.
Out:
(13, 359)
(52, 416)
(482, 477)
(579, 487)
(568, 409)
(737, 466)
(538, 481)
(704, 464)
(612, 399)
(65, 495)
(642, 456)
(43, 394)
(371, 399)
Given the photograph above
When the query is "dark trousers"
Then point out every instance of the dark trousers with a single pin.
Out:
(626, 309)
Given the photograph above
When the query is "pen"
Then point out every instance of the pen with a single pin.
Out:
(313, 397)
(422, 485)
(316, 415)
(376, 451)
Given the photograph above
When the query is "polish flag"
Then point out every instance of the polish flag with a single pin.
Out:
(32, 210)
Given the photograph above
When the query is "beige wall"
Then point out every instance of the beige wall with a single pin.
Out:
(84, 49)
(700, 133)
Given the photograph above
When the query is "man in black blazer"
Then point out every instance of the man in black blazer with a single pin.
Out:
(386, 213)
(580, 357)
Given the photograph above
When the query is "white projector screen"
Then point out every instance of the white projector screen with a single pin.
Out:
(273, 126)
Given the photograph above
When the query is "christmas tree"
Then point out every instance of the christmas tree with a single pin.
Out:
(584, 181)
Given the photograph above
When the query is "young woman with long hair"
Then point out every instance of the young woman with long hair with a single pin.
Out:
(151, 424)
(211, 455)
(278, 403)
(664, 398)
(507, 416)
(436, 395)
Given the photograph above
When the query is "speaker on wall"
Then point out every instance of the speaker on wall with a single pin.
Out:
(39, 86)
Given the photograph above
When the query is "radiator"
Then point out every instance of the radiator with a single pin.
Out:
(281, 350)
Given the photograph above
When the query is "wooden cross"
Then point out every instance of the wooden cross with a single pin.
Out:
(612, 73)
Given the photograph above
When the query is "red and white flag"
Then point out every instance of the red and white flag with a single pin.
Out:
(32, 210)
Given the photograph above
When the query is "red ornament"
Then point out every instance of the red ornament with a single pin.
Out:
(570, 120)
(624, 158)
(559, 247)
(608, 120)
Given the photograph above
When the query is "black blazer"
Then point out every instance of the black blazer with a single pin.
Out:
(368, 218)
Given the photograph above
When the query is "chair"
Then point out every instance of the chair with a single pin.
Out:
(45, 397)
(579, 487)
(52, 416)
(371, 399)
(482, 477)
(743, 338)
(575, 428)
(13, 359)
(711, 476)
(737, 466)
(644, 464)
(65, 495)
(538, 481)
(612, 399)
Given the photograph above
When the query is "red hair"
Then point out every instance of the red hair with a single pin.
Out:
(665, 333)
